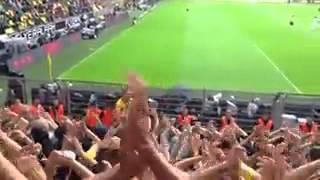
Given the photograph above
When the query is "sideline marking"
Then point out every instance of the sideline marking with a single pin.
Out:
(278, 69)
(103, 46)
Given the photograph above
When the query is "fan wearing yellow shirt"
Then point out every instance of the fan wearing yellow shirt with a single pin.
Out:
(122, 103)
(247, 173)
(121, 106)
(238, 153)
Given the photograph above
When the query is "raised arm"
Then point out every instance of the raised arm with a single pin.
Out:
(212, 173)
(303, 172)
(10, 148)
(8, 171)
(161, 168)
(57, 158)
(110, 174)
(139, 133)
(187, 162)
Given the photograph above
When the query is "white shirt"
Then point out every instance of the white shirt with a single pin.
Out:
(252, 109)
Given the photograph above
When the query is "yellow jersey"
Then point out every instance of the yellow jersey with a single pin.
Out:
(121, 105)
(92, 152)
(246, 172)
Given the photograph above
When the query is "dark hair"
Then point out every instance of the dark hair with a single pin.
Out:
(278, 141)
(59, 134)
(314, 153)
(112, 156)
(42, 137)
(225, 145)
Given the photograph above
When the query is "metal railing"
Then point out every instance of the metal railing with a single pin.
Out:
(300, 105)
(27, 85)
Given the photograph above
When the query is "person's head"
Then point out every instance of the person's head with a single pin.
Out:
(282, 147)
(228, 114)
(108, 106)
(309, 122)
(197, 124)
(195, 132)
(123, 115)
(265, 116)
(55, 102)
(126, 97)
(185, 111)
(112, 156)
(210, 125)
(36, 101)
(229, 135)
(39, 134)
(269, 149)
(172, 121)
(27, 114)
(225, 146)
(92, 104)
(17, 101)
(261, 144)
(240, 152)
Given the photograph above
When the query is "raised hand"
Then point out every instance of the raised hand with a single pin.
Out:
(31, 149)
(259, 131)
(136, 85)
(138, 120)
(267, 167)
(138, 137)
(77, 145)
(196, 144)
(233, 158)
(30, 167)
(280, 162)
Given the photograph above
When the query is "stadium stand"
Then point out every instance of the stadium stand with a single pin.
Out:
(169, 104)
(172, 104)
(189, 134)
(209, 109)
(20, 15)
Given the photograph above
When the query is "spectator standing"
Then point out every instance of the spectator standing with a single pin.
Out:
(107, 116)
(92, 116)
(17, 107)
(266, 121)
(253, 107)
(231, 105)
(122, 103)
(36, 107)
(121, 107)
(227, 119)
(308, 126)
(184, 118)
(56, 111)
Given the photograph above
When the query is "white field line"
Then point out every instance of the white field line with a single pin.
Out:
(93, 53)
(278, 69)
(102, 47)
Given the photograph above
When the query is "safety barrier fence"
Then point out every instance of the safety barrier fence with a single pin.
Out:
(300, 105)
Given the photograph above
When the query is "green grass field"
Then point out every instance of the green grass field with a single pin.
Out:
(217, 45)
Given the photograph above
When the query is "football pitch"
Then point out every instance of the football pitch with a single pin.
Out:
(213, 44)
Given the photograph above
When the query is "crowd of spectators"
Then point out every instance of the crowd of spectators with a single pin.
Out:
(134, 141)
(18, 15)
